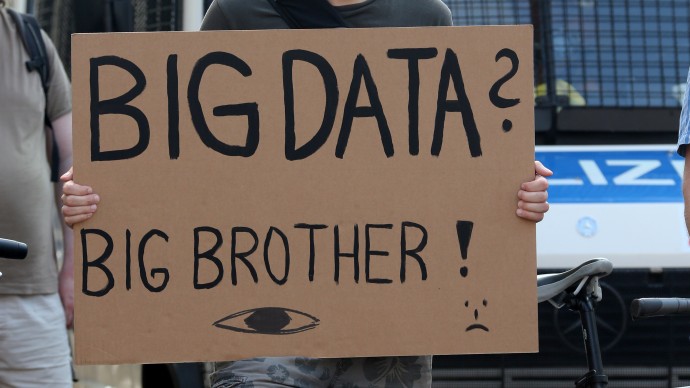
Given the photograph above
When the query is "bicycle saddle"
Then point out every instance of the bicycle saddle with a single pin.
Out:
(553, 284)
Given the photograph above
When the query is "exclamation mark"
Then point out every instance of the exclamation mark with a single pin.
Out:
(464, 229)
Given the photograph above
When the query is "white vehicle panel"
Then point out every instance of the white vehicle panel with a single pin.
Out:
(620, 202)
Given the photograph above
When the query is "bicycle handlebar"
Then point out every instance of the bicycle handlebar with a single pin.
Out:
(10, 249)
(655, 307)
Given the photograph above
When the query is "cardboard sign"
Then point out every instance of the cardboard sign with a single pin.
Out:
(311, 193)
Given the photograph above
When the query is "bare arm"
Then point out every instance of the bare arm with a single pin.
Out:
(62, 130)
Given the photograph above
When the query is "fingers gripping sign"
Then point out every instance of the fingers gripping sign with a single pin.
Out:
(533, 195)
(79, 203)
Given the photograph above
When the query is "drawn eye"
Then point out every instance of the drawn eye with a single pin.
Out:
(268, 320)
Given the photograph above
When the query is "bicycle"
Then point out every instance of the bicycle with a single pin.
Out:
(579, 290)
(659, 307)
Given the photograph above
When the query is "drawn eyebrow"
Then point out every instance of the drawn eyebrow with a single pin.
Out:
(267, 320)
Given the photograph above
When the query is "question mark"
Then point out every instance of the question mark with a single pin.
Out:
(498, 101)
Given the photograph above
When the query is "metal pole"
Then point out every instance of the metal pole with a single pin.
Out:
(591, 339)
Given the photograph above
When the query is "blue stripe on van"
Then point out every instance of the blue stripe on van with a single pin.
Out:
(614, 176)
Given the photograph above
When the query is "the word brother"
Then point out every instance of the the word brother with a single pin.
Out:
(219, 256)
(450, 74)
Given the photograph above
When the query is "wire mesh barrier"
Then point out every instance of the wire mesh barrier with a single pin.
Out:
(61, 18)
(603, 53)
(606, 71)
(621, 53)
(490, 12)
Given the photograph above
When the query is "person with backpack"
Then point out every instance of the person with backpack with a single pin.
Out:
(80, 202)
(36, 296)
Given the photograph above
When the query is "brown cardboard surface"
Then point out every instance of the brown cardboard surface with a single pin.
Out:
(205, 247)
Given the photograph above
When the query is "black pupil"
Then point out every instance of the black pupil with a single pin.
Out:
(268, 320)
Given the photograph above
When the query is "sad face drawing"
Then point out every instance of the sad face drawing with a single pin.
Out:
(476, 325)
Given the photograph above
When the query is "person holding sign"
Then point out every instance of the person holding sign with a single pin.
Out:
(36, 296)
(81, 202)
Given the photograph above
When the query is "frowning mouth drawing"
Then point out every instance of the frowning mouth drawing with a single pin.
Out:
(477, 326)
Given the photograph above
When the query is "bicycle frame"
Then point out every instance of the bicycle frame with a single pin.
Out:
(584, 304)
(579, 290)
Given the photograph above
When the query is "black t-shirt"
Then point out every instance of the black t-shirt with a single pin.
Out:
(260, 14)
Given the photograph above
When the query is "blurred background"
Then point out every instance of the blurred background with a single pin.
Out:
(609, 78)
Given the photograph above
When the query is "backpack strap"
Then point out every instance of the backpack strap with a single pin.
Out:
(305, 14)
(30, 32)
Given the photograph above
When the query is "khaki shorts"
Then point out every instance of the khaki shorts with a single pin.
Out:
(34, 350)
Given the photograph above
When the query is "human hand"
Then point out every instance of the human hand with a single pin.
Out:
(79, 202)
(532, 196)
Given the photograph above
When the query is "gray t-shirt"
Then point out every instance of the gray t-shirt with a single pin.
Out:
(27, 201)
(260, 14)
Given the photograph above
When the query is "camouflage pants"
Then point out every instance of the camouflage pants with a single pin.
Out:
(380, 372)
